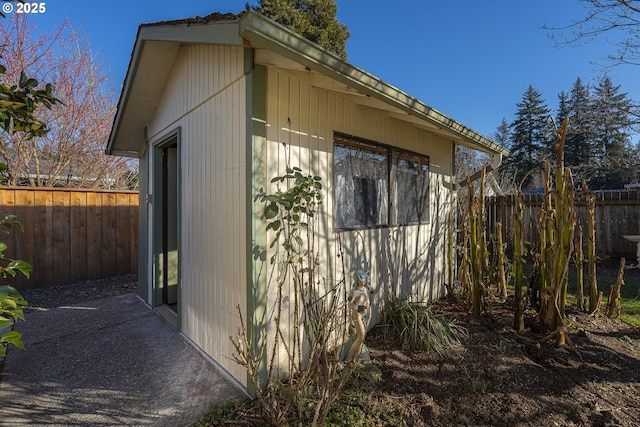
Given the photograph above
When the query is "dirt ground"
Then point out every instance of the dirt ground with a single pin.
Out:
(500, 378)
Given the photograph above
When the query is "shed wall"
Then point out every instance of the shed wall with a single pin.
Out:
(205, 97)
(406, 260)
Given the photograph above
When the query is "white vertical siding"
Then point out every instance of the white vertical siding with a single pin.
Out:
(301, 120)
(205, 96)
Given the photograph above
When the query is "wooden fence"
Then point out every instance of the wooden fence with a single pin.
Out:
(71, 235)
(617, 213)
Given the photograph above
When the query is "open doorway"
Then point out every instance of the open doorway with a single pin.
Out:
(166, 256)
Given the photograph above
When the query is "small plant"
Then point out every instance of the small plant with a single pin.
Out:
(480, 385)
(478, 252)
(579, 262)
(341, 415)
(11, 310)
(501, 261)
(301, 375)
(222, 415)
(518, 261)
(420, 329)
(592, 281)
(451, 292)
(11, 302)
(556, 227)
(613, 304)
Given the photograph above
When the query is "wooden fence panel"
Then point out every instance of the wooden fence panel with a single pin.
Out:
(109, 233)
(71, 235)
(61, 261)
(133, 224)
(24, 209)
(123, 227)
(79, 226)
(94, 236)
(616, 213)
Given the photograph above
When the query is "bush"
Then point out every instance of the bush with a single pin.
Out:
(11, 302)
(418, 328)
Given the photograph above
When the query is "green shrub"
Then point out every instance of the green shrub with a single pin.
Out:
(11, 302)
(341, 415)
(420, 329)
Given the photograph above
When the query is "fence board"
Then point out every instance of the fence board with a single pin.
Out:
(133, 241)
(616, 213)
(94, 236)
(109, 233)
(78, 226)
(43, 236)
(61, 229)
(72, 235)
(8, 202)
(123, 226)
(24, 209)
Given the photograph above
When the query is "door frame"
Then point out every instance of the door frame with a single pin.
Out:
(169, 139)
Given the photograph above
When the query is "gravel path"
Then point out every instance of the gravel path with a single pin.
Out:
(75, 293)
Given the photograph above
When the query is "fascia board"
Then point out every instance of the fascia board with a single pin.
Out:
(220, 33)
(124, 94)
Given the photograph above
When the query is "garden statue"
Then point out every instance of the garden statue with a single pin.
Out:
(359, 311)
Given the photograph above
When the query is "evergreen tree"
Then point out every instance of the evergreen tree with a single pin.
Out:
(315, 20)
(502, 134)
(563, 107)
(611, 132)
(579, 150)
(530, 139)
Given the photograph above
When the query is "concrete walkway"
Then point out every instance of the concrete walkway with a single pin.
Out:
(109, 362)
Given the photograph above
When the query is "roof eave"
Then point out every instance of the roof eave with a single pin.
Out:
(175, 32)
(265, 33)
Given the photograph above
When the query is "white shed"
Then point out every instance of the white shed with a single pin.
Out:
(214, 108)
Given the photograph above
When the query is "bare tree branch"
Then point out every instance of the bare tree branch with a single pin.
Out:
(616, 20)
(71, 154)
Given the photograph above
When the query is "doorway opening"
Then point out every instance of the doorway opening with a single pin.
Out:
(166, 210)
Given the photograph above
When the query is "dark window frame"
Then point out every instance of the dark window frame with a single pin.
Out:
(390, 153)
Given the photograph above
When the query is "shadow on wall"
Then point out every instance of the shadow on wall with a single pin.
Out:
(405, 261)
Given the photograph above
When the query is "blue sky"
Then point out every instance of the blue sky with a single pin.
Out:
(470, 59)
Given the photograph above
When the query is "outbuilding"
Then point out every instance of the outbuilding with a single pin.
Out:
(214, 108)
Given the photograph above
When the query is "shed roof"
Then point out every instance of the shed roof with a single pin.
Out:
(157, 45)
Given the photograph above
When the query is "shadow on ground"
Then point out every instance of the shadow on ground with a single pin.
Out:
(111, 361)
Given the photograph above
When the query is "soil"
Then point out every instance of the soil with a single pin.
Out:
(500, 378)
(76, 293)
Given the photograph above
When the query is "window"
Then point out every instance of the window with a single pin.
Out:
(410, 185)
(376, 186)
(360, 179)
